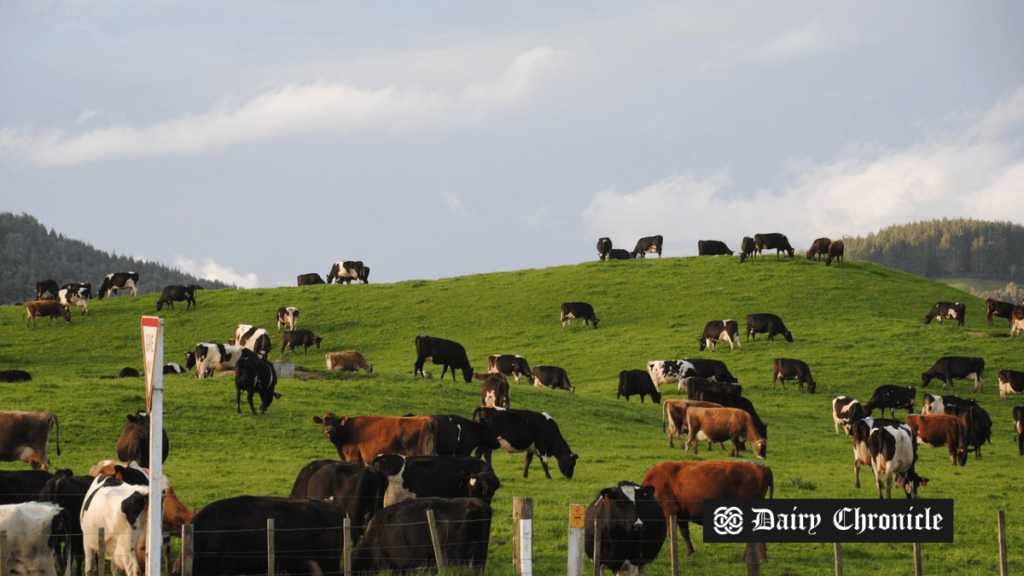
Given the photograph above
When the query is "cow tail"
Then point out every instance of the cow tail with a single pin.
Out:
(771, 483)
(664, 413)
(429, 443)
(55, 422)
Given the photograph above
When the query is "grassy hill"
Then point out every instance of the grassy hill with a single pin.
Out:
(858, 326)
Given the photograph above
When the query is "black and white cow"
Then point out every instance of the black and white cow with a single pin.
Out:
(731, 400)
(663, 371)
(254, 338)
(287, 315)
(846, 412)
(255, 376)
(1010, 382)
(618, 254)
(791, 369)
(712, 248)
(119, 281)
(748, 249)
(210, 356)
(629, 525)
(1018, 428)
(310, 279)
(763, 323)
(448, 353)
(358, 488)
(892, 397)
(76, 294)
(648, 245)
(1000, 309)
(348, 270)
(551, 377)
(178, 293)
(947, 311)
(494, 391)
(292, 338)
(577, 311)
(122, 511)
(893, 451)
(711, 369)
(509, 365)
(173, 368)
(637, 383)
(46, 290)
(436, 477)
(960, 367)
(532, 432)
(819, 248)
(32, 530)
(773, 241)
(715, 330)
(604, 246)
(68, 491)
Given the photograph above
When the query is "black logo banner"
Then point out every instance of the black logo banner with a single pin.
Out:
(829, 520)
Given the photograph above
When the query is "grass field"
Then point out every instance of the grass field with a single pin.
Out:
(858, 326)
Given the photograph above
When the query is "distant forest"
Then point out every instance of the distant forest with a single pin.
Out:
(949, 249)
(29, 253)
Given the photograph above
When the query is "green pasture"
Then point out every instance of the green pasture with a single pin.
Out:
(858, 325)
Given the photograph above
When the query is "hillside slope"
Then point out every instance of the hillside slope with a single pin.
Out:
(858, 326)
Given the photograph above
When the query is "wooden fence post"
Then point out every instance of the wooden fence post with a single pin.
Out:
(917, 559)
(102, 553)
(522, 535)
(1002, 543)
(577, 514)
(673, 544)
(3, 549)
(753, 559)
(598, 570)
(346, 546)
(188, 549)
(838, 548)
(270, 547)
(436, 539)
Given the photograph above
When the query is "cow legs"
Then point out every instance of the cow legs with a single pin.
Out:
(684, 529)
(856, 473)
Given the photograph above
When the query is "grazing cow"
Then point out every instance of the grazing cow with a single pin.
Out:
(1017, 324)
(1000, 309)
(663, 371)
(551, 377)
(947, 310)
(861, 435)
(818, 248)
(25, 436)
(15, 376)
(717, 425)
(714, 369)
(509, 365)
(173, 368)
(398, 538)
(31, 529)
(210, 356)
(770, 324)
(893, 451)
(694, 385)
(494, 391)
(119, 281)
(461, 436)
(48, 308)
(348, 361)
(577, 310)
(77, 294)
(122, 510)
(255, 376)
(532, 432)
(891, 396)
(647, 245)
(748, 249)
(362, 438)
(728, 330)
(1010, 382)
(449, 353)
(674, 412)
(941, 429)
(682, 487)
(348, 270)
(835, 252)
(618, 254)
(712, 248)
(727, 400)
(358, 488)
(178, 293)
(133, 443)
(604, 246)
(254, 338)
(301, 337)
(1018, 428)
(436, 477)
(790, 369)
(977, 427)
(773, 241)
(960, 367)
(629, 525)
(17, 486)
(948, 404)
(287, 315)
(309, 279)
(846, 412)
(68, 491)
(637, 383)
(46, 290)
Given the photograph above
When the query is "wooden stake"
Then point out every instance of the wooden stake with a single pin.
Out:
(673, 544)
(346, 546)
(188, 549)
(522, 508)
(270, 547)
(438, 551)
(838, 548)
(1002, 543)
(753, 559)
(917, 559)
(598, 571)
(576, 540)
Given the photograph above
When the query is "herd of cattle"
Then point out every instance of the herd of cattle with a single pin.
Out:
(749, 248)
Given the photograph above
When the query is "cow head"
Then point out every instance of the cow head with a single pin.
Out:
(567, 464)
(788, 336)
(190, 360)
(483, 485)
(761, 448)
(334, 427)
(467, 374)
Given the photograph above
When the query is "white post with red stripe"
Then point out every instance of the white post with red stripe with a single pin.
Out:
(153, 359)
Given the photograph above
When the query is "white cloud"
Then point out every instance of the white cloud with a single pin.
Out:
(214, 271)
(811, 38)
(293, 109)
(454, 204)
(85, 116)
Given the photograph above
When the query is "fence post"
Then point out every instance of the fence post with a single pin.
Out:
(838, 548)
(1002, 543)
(346, 546)
(753, 553)
(577, 513)
(522, 525)
(101, 563)
(436, 539)
(270, 547)
(598, 571)
(673, 544)
(188, 549)
(3, 549)
(917, 559)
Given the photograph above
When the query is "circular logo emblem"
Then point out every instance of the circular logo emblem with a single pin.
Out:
(728, 521)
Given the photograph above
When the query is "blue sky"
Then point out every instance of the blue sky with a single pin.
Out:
(254, 141)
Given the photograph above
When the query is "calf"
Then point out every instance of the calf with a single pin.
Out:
(662, 371)
(133, 443)
(1018, 428)
(255, 376)
(25, 436)
(449, 353)
(790, 369)
(648, 245)
(310, 279)
(716, 330)
(287, 315)
(359, 489)
(1010, 382)
(551, 377)
(494, 391)
(712, 248)
(763, 323)
(941, 429)
(436, 477)
(30, 529)
(348, 270)
(119, 281)
(960, 367)
(628, 526)
(604, 246)
(818, 248)
(46, 290)
(893, 452)
(673, 411)
(254, 338)
(362, 438)
(305, 338)
(773, 241)
(618, 254)
(76, 295)
(348, 361)
(1000, 309)
(210, 356)
(637, 383)
(720, 424)
(509, 365)
(846, 412)
(577, 310)
(748, 249)
(695, 385)
(835, 252)
(532, 432)
(48, 308)
(178, 293)
(947, 310)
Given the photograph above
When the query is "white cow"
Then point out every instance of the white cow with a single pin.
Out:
(663, 371)
(29, 526)
(211, 356)
(122, 510)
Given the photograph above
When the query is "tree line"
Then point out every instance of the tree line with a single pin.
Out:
(29, 254)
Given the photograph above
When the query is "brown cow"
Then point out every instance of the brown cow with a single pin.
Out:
(721, 424)
(133, 444)
(819, 248)
(1000, 309)
(835, 252)
(941, 429)
(348, 361)
(49, 308)
(362, 438)
(26, 436)
(674, 410)
(494, 391)
(681, 487)
(791, 369)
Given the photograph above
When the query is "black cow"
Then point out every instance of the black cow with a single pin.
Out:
(947, 310)
(440, 351)
(835, 252)
(178, 293)
(1018, 428)
(15, 376)
(712, 248)
(731, 400)
(791, 369)
(494, 391)
(46, 290)
(892, 397)
(17, 486)
(68, 491)
(436, 477)
(748, 249)
(461, 436)
(637, 383)
(309, 279)
(998, 308)
(846, 412)
(819, 248)
(358, 488)
(728, 330)
(767, 323)
(302, 337)
(509, 365)
(348, 270)
(577, 310)
(604, 246)
(618, 254)
(398, 539)
(977, 427)
(1010, 382)
(551, 377)
(713, 369)
(119, 281)
(533, 432)
(630, 527)
(961, 367)
(648, 244)
(133, 444)
(255, 376)
(773, 241)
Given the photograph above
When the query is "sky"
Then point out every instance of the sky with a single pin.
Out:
(251, 141)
